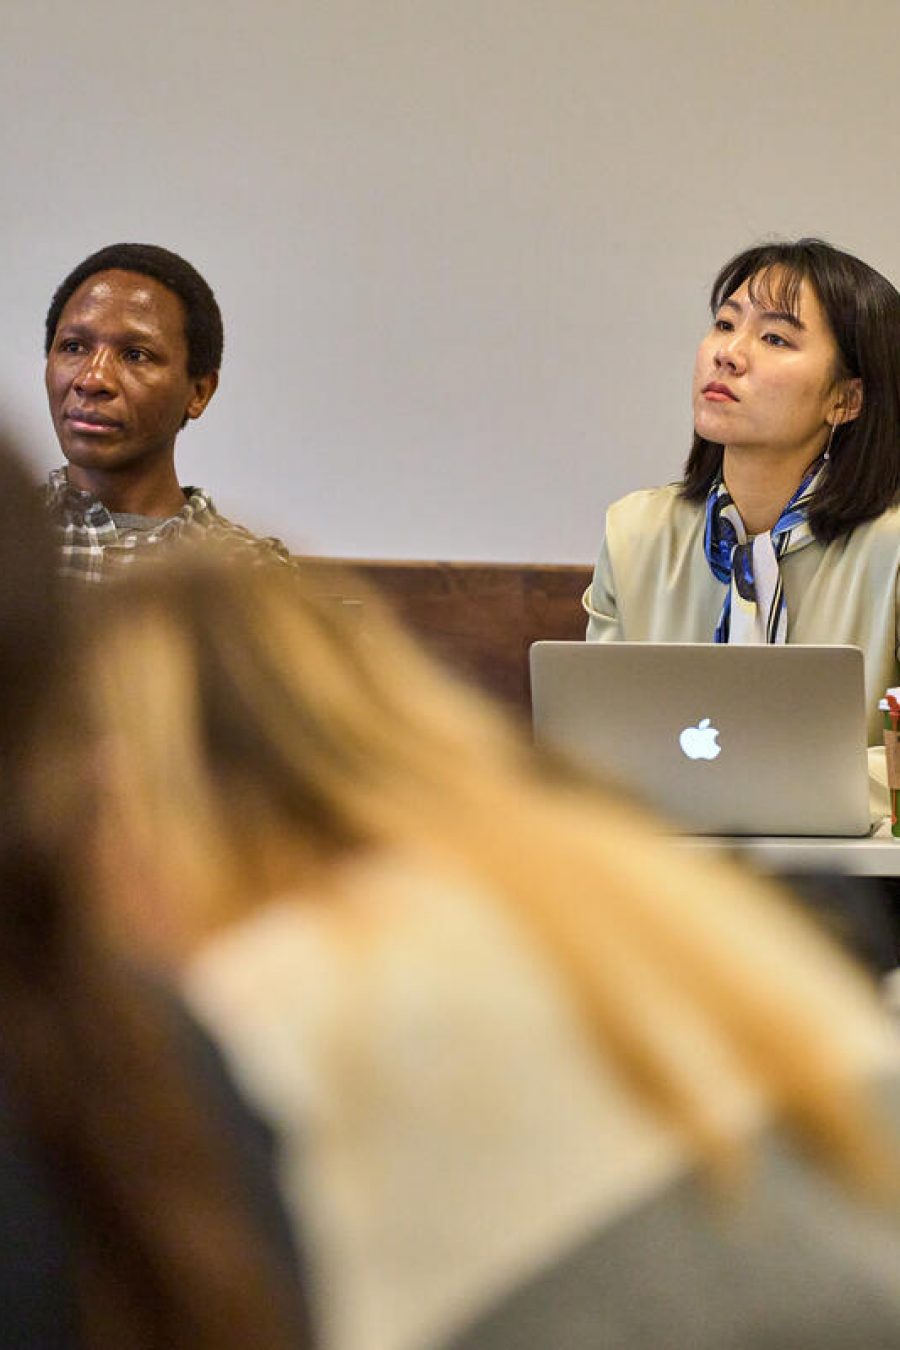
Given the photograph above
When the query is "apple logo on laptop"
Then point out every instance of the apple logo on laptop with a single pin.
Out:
(700, 742)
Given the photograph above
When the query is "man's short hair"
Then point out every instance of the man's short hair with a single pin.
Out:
(202, 316)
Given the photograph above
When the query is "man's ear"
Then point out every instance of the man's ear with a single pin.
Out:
(849, 403)
(204, 388)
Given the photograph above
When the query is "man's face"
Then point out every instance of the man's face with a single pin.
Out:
(117, 378)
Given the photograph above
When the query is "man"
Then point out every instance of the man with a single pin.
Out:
(133, 346)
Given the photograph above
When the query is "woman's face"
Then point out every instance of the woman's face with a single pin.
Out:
(765, 378)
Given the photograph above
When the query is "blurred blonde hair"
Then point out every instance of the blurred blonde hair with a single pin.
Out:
(253, 737)
(98, 1069)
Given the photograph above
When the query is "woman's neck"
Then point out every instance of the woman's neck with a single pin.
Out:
(761, 485)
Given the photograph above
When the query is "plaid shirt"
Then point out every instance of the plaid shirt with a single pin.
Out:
(90, 545)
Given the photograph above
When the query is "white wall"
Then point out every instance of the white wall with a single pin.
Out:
(462, 246)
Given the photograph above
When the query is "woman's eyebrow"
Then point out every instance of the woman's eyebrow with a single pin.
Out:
(769, 315)
(785, 316)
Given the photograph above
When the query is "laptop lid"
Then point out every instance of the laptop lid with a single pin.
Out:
(720, 739)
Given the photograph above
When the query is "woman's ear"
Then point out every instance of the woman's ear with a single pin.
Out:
(849, 403)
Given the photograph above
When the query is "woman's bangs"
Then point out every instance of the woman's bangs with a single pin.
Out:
(776, 286)
(774, 276)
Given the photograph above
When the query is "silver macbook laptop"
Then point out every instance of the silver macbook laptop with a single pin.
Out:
(719, 739)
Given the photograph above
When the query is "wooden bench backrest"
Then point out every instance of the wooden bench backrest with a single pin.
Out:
(480, 618)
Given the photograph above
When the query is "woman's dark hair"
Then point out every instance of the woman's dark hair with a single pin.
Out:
(164, 1253)
(202, 316)
(863, 312)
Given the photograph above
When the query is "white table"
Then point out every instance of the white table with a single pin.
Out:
(875, 855)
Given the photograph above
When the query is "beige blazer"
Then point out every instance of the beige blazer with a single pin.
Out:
(652, 583)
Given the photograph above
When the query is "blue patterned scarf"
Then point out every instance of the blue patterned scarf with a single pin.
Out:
(754, 609)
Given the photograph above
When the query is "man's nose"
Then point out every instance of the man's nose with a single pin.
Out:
(96, 375)
(730, 353)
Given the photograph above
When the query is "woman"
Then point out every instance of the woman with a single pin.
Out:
(509, 1036)
(785, 527)
(135, 1206)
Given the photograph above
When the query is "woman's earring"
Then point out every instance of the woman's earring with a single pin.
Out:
(830, 439)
